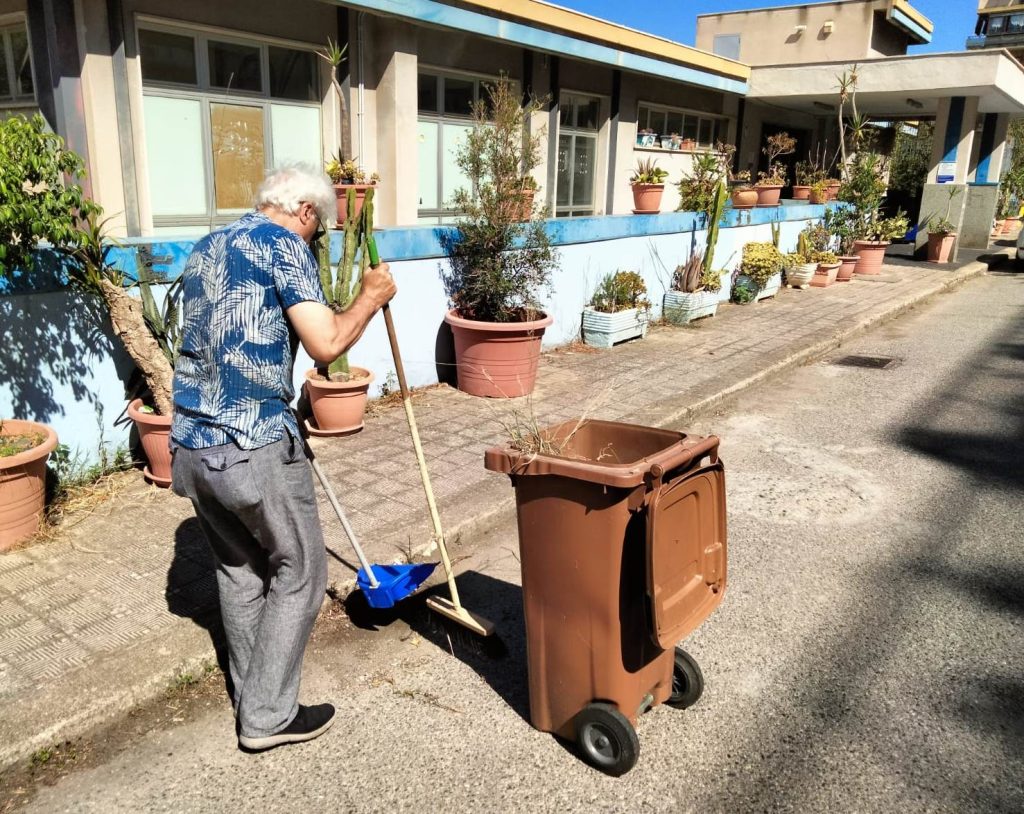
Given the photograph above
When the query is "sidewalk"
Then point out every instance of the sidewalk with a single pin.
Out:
(103, 617)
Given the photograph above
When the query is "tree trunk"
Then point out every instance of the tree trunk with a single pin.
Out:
(130, 326)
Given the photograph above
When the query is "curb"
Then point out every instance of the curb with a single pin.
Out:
(92, 717)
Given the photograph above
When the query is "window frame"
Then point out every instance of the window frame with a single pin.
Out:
(441, 213)
(207, 95)
(720, 125)
(575, 131)
(10, 23)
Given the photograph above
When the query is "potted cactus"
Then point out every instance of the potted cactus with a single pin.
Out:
(941, 232)
(798, 265)
(696, 284)
(618, 310)
(338, 391)
(648, 184)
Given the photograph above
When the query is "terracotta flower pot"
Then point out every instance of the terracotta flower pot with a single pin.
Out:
(801, 192)
(768, 195)
(497, 359)
(687, 144)
(819, 197)
(23, 483)
(870, 255)
(825, 275)
(744, 198)
(155, 435)
(1011, 225)
(647, 198)
(940, 246)
(833, 190)
(338, 407)
(341, 199)
(847, 262)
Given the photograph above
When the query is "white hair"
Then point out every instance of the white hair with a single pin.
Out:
(289, 186)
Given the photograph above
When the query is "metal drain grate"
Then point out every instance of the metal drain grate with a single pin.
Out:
(873, 362)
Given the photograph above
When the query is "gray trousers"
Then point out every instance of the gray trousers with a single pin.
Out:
(259, 515)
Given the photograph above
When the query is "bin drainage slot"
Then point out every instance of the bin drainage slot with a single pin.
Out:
(874, 362)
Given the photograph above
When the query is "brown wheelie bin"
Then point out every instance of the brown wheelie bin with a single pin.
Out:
(623, 554)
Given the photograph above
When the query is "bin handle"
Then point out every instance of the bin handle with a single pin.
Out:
(706, 446)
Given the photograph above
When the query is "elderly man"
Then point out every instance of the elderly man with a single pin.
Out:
(251, 292)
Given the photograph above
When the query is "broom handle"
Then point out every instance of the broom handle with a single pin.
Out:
(424, 474)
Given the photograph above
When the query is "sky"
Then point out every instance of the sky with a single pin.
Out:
(953, 19)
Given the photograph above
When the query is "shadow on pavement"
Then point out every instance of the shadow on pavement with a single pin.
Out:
(500, 659)
(191, 590)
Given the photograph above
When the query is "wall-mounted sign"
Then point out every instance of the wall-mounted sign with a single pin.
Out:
(946, 172)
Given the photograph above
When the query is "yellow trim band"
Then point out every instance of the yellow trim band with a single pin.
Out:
(574, 22)
(913, 14)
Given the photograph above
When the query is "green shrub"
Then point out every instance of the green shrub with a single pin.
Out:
(824, 258)
(39, 199)
(761, 261)
(620, 292)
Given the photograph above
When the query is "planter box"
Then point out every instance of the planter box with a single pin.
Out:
(602, 330)
(800, 276)
(825, 275)
(771, 288)
(680, 307)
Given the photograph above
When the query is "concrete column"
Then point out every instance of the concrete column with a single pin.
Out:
(992, 148)
(393, 105)
(615, 127)
(954, 142)
(538, 83)
(554, 89)
(55, 53)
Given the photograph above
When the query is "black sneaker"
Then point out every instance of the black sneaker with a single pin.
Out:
(308, 723)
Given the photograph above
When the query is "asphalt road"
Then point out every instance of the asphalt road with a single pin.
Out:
(867, 655)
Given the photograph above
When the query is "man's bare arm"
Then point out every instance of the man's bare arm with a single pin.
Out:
(326, 335)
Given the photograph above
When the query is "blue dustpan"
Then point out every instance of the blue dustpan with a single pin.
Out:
(396, 582)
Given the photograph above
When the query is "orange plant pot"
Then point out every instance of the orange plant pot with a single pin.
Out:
(847, 263)
(338, 407)
(155, 435)
(870, 255)
(497, 359)
(801, 192)
(744, 198)
(23, 483)
(341, 199)
(647, 198)
(825, 275)
(768, 195)
(940, 247)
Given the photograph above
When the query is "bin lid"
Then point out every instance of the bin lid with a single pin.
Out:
(686, 552)
(609, 453)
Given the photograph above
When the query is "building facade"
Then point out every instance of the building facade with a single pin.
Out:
(1000, 25)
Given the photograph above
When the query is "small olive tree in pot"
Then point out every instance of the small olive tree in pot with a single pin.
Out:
(499, 261)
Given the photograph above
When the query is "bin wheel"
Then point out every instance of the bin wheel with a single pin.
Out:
(687, 681)
(606, 739)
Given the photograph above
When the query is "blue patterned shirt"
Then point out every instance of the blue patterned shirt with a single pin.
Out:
(233, 377)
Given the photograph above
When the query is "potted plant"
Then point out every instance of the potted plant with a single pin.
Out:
(841, 224)
(698, 187)
(496, 263)
(803, 172)
(828, 268)
(743, 290)
(618, 310)
(798, 265)
(769, 184)
(744, 196)
(645, 137)
(338, 391)
(688, 144)
(696, 285)
(941, 234)
(24, 448)
(648, 185)
(864, 189)
(818, 191)
(150, 334)
(761, 264)
(346, 175)
(677, 141)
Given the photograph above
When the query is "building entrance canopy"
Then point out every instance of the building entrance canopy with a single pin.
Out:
(896, 87)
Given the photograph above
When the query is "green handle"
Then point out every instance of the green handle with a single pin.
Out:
(371, 247)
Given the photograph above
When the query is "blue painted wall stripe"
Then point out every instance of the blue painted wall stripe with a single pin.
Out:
(430, 12)
(988, 143)
(953, 125)
(908, 23)
(425, 242)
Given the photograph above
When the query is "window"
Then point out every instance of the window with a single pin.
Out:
(727, 45)
(16, 85)
(579, 120)
(445, 117)
(219, 112)
(997, 25)
(1015, 24)
(657, 125)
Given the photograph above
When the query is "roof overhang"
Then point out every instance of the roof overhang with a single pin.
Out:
(896, 87)
(563, 32)
(907, 18)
